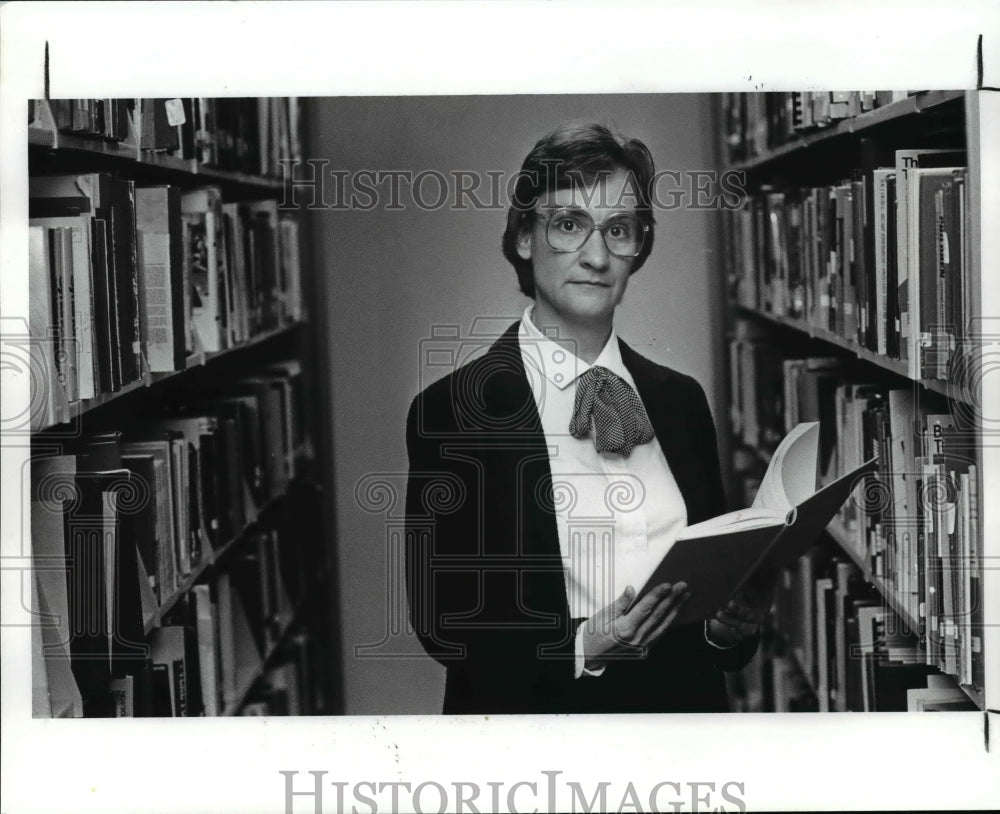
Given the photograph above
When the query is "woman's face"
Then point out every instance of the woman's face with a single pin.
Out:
(581, 287)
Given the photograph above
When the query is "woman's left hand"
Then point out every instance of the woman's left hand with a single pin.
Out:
(743, 614)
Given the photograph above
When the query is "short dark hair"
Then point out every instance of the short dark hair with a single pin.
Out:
(575, 154)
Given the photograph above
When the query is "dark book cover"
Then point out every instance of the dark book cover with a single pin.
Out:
(860, 269)
(139, 524)
(828, 251)
(100, 466)
(953, 266)
(125, 109)
(268, 587)
(245, 577)
(112, 250)
(233, 268)
(59, 317)
(933, 331)
(158, 135)
(839, 288)
(892, 679)
(228, 487)
(861, 594)
(762, 250)
(166, 134)
(266, 267)
(144, 690)
(909, 292)
(893, 317)
(105, 333)
(194, 505)
(185, 615)
(302, 653)
(206, 130)
(251, 127)
(187, 136)
(872, 156)
(162, 692)
(170, 649)
(210, 474)
(105, 641)
(126, 267)
(179, 314)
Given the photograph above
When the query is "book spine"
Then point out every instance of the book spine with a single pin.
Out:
(207, 649)
(227, 644)
(155, 279)
(62, 251)
(83, 303)
(881, 236)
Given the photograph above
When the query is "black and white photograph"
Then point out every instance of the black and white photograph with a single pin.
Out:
(513, 414)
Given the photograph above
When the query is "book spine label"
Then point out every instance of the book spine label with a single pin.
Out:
(158, 328)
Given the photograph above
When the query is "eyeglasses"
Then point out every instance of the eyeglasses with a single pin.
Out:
(568, 229)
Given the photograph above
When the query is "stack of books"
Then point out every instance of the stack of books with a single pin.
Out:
(247, 135)
(128, 281)
(755, 123)
(880, 260)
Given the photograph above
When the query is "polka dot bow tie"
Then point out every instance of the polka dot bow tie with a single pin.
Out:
(609, 404)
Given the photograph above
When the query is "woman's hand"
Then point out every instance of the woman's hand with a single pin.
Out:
(617, 631)
(743, 614)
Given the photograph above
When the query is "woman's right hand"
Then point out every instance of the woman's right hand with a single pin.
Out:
(619, 631)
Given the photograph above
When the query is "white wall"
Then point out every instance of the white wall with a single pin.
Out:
(386, 277)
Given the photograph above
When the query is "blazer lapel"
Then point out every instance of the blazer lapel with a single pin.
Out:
(508, 402)
(666, 410)
(516, 430)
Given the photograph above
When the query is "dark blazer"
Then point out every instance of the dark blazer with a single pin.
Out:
(484, 573)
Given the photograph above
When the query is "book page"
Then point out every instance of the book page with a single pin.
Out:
(791, 476)
(740, 520)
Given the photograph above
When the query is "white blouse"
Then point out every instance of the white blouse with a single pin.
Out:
(616, 516)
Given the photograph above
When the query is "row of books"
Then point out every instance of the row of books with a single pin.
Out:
(249, 135)
(757, 403)
(758, 122)
(789, 691)
(215, 641)
(128, 280)
(91, 656)
(881, 261)
(289, 686)
(111, 119)
(123, 524)
(915, 524)
(847, 644)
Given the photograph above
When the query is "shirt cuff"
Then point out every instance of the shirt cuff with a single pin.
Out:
(717, 646)
(580, 669)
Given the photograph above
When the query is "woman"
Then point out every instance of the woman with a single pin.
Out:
(550, 474)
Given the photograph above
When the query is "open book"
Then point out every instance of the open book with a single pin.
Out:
(717, 556)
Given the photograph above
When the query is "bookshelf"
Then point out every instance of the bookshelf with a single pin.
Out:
(850, 306)
(198, 359)
(70, 145)
(961, 391)
(176, 506)
(900, 109)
